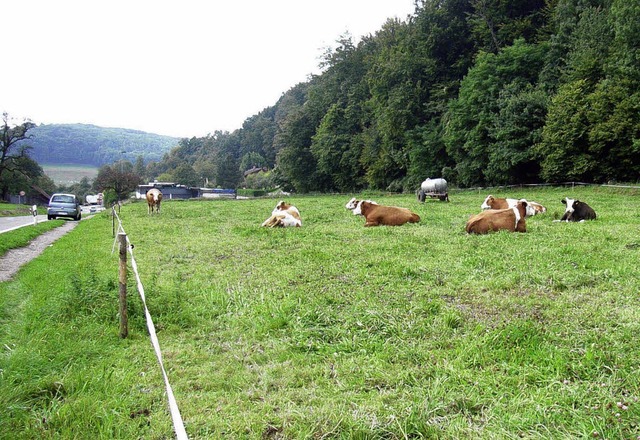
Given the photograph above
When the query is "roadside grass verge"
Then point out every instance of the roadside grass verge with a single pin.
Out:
(12, 209)
(23, 236)
(333, 330)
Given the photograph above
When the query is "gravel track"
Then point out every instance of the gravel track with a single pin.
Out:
(14, 259)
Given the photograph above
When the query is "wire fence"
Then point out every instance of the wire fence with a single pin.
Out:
(533, 185)
(178, 424)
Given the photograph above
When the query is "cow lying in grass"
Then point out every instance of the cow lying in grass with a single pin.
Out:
(509, 219)
(491, 202)
(154, 197)
(577, 211)
(284, 215)
(376, 215)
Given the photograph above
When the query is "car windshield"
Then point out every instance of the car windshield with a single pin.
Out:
(62, 199)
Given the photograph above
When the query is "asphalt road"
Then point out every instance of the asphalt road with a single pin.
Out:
(11, 223)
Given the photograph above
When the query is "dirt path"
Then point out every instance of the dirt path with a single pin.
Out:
(13, 260)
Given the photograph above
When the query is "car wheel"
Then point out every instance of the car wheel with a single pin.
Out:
(50, 217)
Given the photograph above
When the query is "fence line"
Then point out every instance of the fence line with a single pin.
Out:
(522, 185)
(178, 424)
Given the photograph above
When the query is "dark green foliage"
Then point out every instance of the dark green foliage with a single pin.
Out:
(18, 171)
(228, 172)
(592, 134)
(497, 116)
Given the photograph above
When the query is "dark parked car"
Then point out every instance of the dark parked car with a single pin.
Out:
(64, 205)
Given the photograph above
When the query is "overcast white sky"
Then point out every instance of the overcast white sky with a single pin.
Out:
(181, 68)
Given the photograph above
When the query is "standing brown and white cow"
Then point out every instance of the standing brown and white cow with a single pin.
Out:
(154, 197)
(509, 219)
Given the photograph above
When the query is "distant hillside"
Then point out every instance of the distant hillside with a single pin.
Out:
(91, 145)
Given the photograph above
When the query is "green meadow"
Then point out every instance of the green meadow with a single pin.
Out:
(332, 330)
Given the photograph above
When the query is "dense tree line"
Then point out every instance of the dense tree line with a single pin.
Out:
(481, 92)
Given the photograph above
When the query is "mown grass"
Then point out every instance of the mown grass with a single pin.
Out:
(333, 330)
(23, 236)
(12, 209)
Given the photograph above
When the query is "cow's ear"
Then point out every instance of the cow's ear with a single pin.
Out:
(576, 203)
(564, 202)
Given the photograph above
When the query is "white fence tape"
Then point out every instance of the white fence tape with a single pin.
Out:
(178, 424)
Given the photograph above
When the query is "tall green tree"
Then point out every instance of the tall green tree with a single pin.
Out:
(12, 147)
(23, 173)
(296, 165)
(228, 173)
(517, 127)
(184, 174)
(564, 148)
(140, 169)
(593, 128)
(496, 24)
(118, 178)
(480, 116)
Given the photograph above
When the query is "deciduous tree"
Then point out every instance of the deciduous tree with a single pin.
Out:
(118, 178)
(12, 150)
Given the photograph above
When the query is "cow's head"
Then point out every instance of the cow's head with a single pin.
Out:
(538, 207)
(351, 204)
(358, 209)
(529, 209)
(488, 202)
(282, 206)
(572, 204)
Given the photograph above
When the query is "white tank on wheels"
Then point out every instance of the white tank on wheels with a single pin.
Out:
(435, 188)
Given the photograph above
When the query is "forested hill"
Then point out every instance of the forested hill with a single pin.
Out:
(92, 145)
(479, 92)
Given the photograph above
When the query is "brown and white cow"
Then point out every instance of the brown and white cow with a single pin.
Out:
(491, 202)
(154, 197)
(497, 203)
(353, 203)
(284, 215)
(537, 207)
(376, 215)
(509, 219)
(577, 211)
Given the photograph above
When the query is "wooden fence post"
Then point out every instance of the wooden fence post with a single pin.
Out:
(122, 284)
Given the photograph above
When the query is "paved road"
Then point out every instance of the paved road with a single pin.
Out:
(11, 223)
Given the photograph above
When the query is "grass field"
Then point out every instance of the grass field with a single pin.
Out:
(22, 236)
(12, 209)
(333, 330)
(68, 174)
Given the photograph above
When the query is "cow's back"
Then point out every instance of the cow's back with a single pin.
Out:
(497, 220)
(387, 215)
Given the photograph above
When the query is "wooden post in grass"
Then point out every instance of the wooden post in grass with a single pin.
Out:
(122, 284)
